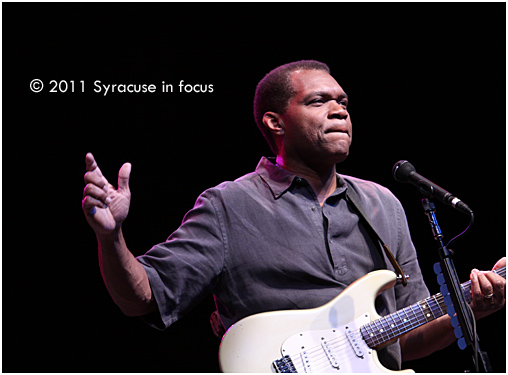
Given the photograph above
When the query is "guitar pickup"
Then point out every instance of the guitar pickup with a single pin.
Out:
(354, 341)
(330, 353)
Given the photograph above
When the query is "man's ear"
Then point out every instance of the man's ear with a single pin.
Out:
(274, 123)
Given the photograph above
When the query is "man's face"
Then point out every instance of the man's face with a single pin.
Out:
(317, 126)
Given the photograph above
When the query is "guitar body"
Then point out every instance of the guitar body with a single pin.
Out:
(323, 339)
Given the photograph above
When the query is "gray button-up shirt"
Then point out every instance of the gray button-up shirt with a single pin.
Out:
(263, 243)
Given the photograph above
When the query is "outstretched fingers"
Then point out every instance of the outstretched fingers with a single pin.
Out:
(93, 173)
(91, 164)
(95, 193)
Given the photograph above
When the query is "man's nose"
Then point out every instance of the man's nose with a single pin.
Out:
(338, 111)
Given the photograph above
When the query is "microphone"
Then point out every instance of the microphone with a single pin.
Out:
(403, 171)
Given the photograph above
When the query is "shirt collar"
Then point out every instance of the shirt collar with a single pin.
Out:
(279, 180)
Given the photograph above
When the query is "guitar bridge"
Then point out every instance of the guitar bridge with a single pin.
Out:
(285, 364)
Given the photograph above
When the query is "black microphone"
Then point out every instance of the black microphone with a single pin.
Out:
(403, 171)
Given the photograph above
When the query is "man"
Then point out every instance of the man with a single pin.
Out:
(282, 237)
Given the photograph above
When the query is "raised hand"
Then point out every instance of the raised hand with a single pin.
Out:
(104, 206)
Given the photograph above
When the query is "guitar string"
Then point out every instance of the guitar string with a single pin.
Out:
(322, 362)
(317, 351)
(378, 332)
(402, 324)
(377, 338)
(343, 341)
(319, 359)
(466, 289)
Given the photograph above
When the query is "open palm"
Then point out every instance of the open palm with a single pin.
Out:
(104, 206)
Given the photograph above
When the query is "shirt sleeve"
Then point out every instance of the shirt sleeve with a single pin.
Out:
(184, 269)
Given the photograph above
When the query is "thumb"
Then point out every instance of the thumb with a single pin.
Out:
(500, 263)
(123, 176)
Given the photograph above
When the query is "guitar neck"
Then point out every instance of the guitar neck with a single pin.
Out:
(392, 326)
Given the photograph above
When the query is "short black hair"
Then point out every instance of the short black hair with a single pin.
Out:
(274, 91)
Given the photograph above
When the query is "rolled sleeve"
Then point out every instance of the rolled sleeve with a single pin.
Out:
(184, 269)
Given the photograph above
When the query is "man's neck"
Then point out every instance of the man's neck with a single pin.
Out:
(323, 181)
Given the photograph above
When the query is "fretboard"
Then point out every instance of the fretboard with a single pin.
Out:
(391, 326)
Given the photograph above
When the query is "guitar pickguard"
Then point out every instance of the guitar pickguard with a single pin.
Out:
(339, 349)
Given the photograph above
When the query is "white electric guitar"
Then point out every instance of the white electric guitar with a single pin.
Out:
(340, 336)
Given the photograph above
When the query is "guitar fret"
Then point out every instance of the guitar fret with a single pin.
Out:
(442, 304)
(372, 335)
(434, 307)
(368, 334)
(384, 329)
(379, 330)
(398, 322)
(424, 312)
(432, 304)
(419, 319)
(412, 317)
(402, 321)
(466, 290)
(393, 326)
(408, 318)
(430, 307)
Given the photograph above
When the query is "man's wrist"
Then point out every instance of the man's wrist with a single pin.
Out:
(110, 239)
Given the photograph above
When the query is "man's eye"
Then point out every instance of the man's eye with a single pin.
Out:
(317, 101)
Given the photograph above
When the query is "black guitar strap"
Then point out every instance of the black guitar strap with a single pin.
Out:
(354, 200)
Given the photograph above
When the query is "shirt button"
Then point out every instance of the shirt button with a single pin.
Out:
(313, 208)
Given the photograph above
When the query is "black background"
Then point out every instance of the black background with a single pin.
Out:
(426, 83)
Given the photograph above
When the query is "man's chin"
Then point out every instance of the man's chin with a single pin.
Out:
(340, 157)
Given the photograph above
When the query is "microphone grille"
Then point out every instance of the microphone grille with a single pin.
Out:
(402, 169)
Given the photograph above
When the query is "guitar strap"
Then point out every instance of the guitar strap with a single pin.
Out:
(354, 201)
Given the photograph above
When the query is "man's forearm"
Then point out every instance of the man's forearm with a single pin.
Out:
(427, 339)
(125, 278)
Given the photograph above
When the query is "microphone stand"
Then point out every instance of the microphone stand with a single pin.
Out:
(461, 315)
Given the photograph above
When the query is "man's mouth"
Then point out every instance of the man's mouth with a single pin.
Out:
(336, 131)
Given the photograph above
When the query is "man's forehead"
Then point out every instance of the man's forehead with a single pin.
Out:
(305, 81)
